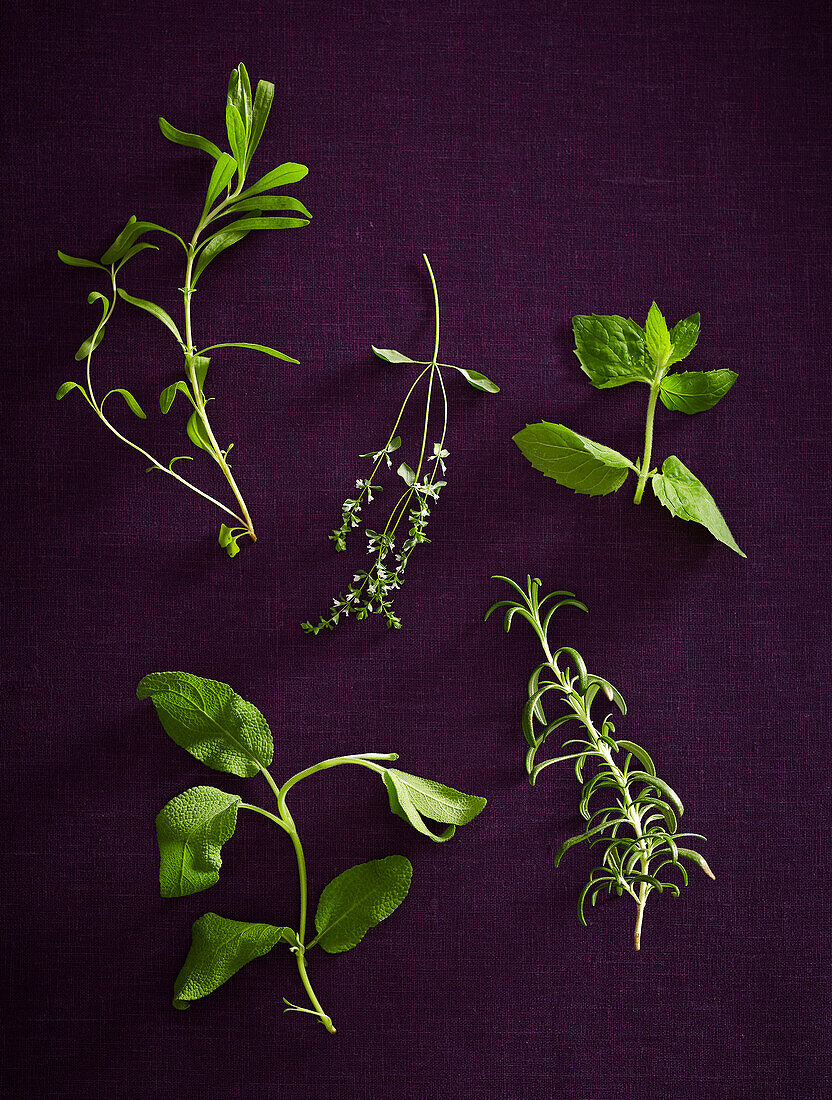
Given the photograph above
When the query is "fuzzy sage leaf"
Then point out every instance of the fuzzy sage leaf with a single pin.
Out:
(228, 733)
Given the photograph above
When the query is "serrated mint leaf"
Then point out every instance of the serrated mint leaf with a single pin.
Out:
(656, 335)
(210, 721)
(220, 947)
(411, 797)
(390, 356)
(611, 350)
(191, 831)
(683, 336)
(358, 899)
(573, 460)
(697, 390)
(685, 496)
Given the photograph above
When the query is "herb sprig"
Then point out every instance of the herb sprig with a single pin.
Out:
(227, 196)
(371, 590)
(614, 351)
(229, 734)
(636, 822)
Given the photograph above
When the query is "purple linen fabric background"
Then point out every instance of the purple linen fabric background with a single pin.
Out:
(551, 159)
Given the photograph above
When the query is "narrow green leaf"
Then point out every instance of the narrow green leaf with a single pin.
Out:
(90, 344)
(639, 753)
(166, 397)
(200, 364)
(191, 830)
(197, 434)
(210, 721)
(278, 177)
(121, 243)
(236, 135)
(131, 401)
(224, 169)
(663, 787)
(698, 859)
(77, 261)
(245, 225)
(193, 141)
(213, 247)
(239, 93)
(573, 460)
(358, 899)
(695, 391)
(269, 202)
(611, 350)
(390, 356)
(683, 337)
(257, 347)
(65, 388)
(684, 495)
(477, 380)
(260, 112)
(135, 249)
(157, 311)
(219, 949)
(656, 335)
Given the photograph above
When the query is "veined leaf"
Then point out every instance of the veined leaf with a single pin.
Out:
(477, 380)
(157, 311)
(358, 899)
(278, 177)
(193, 141)
(130, 399)
(683, 337)
(412, 797)
(260, 112)
(697, 390)
(78, 261)
(219, 949)
(684, 495)
(191, 830)
(572, 459)
(406, 473)
(656, 335)
(257, 347)
(611, 350)
(269, 202)
(210, 721)
(236, 135)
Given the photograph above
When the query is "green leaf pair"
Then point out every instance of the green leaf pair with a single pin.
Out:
(228, 734)
(614, 351)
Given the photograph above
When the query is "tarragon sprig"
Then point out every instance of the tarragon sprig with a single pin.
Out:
(227, 196)
(371, 590)
(636, 822)
(229, 734)
(614, 351)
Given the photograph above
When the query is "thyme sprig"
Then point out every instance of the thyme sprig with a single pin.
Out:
(637, 823)
(371, 590)
(246, 117)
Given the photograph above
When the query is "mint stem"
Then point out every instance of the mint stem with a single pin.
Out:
(648, 442)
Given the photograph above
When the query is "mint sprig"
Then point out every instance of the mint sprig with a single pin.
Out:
(614, 351)
(220, 729)
(246, 118)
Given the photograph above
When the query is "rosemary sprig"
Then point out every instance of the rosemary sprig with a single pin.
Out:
(637, 824)
(371, 590)
(246, 117)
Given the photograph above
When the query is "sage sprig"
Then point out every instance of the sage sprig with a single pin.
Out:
(614, 351)
(229, 734)
(371, 590)
(636, 823)
(227, 197)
